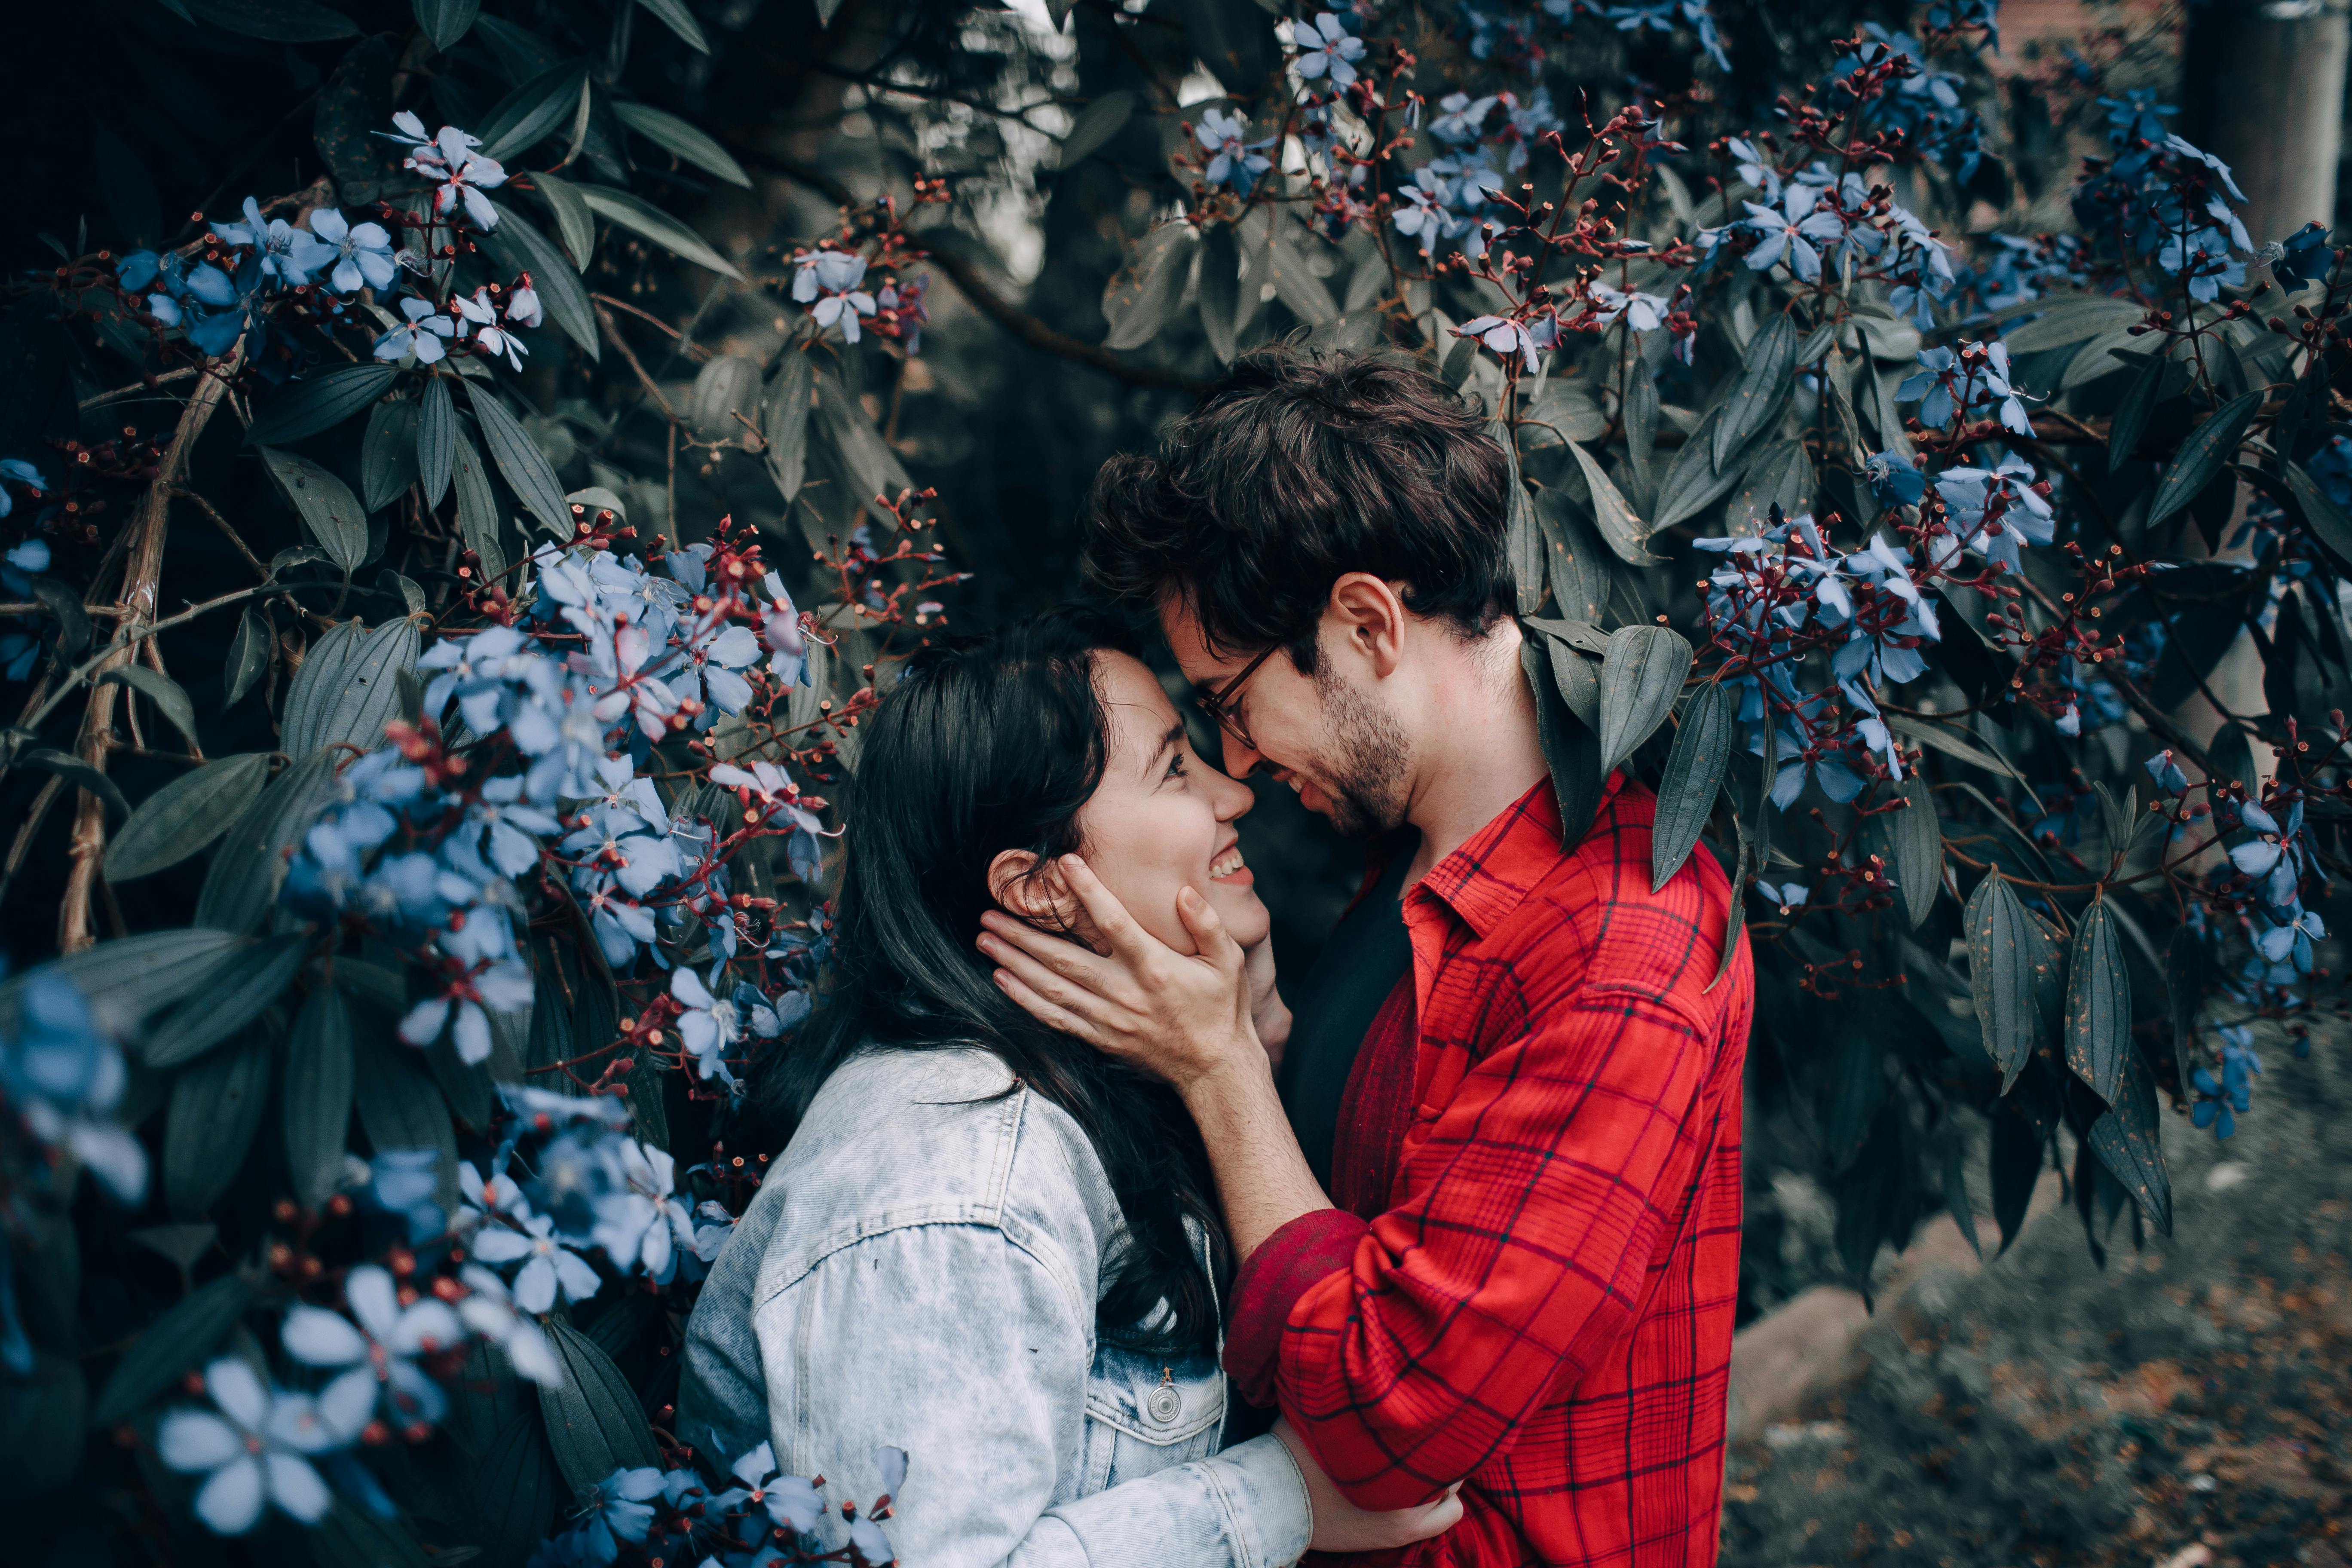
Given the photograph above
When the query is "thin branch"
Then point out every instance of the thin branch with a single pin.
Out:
(183, 492)
(986, 301)
(136, 388)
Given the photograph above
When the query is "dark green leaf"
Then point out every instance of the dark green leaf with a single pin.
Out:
(1097, 124)
(1694, 776)
(2071, 319)
(1694, 483)
(76, 771)
(63, 602)
(479, 514)
(319, 401)
(1755, 396)
(2004, 947)
(185, 815)
(2320, 516)
(1856, 1083)
(520, 247)
(354, 105)
(216, 1106)
(2129, 1142)
(246, 981)
(1624, 533)
(127, 187)
(179, 1340)
(1574, 561)
(1956, 1202)
(241, 885)
(2016, 1168)
(870, 465)
(1939, 738)
(532, 112)
(330, 514)
(1522, 543)
(436, 439)
(679, 20)
(1780, 474)
(320, 1076)
(162, 690)
(1571, 749)
(2098, 1005)
(784, 420)
(447, 21)
(388, 457)
(594, 1425)
(277, 21)
(688, 142)
(352, 1537)
(1640, 680)
(2201, 458)
(43, 1417)
(516, 1491)
(1735, 922)
(725, 394)
(2187, 967)
(2131, 415)
(400, 1106)
(1574, 676)
(525, 466)
(1220, 282)
(1295, 284)
(575, 225)
(1138, 299)
(647, 221)
(346, 690)
(130, 978)
(1918, 841)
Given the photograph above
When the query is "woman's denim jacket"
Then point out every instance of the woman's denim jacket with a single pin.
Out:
(920, 1268)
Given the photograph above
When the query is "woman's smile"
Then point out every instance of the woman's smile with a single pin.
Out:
(1228, 867)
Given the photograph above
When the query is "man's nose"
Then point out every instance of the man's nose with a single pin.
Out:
(1240, 761)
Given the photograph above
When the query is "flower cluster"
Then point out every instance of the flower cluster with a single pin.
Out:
(2161, 199)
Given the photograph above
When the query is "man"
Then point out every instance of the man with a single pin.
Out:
(1528, 1282)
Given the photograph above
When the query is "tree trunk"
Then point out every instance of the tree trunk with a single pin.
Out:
(2262, 89)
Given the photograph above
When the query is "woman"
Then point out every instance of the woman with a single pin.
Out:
(985, 1243)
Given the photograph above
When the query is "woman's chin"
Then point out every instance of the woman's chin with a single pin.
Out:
(1243, 913)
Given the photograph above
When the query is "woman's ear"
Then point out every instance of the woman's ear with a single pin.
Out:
(1026, 892)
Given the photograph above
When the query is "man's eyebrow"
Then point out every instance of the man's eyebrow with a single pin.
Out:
(1151, 763)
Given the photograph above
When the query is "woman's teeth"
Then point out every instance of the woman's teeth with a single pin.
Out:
(1226, 864)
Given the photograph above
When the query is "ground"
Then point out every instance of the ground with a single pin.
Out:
(2184, 1406)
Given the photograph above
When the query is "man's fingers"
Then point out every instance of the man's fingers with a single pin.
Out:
(1127, 938)
(1209, 933)
(1066, 994)
(1059, 954)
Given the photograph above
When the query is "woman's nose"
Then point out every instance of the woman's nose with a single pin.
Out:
(1232, 798)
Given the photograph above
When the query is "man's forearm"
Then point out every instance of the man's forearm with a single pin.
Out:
(1262, 1177)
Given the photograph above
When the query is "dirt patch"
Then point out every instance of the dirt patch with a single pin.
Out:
(2186, 1406)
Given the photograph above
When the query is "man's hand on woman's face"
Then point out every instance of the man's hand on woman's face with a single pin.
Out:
(1181, 1017)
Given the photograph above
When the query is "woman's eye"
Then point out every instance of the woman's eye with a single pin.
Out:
(1176, 764)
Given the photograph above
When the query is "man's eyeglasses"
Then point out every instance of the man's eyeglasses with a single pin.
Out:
(1219, 704)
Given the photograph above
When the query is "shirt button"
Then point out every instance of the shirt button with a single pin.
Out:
(1163, 1404)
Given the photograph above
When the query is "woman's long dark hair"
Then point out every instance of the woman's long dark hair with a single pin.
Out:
(986, 744)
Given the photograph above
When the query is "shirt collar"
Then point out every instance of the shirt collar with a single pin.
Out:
(1498, 866)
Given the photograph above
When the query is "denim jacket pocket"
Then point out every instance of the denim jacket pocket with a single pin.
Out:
(1149, 1412)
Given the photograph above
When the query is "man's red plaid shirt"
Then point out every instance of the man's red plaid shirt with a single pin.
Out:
(1542, 1305)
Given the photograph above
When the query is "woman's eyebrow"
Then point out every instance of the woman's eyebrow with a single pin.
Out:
(1151, 763)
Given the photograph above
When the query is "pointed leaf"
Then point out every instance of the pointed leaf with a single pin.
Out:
(2201, 458)
(437, 439)
(784, 420)
(1220, 291)
(241, 885)
(1571, 749)
(1938, 738)
(1522, 543)
(2129, 1142)
(517, 1489)
(1097, 124)
(647, 221)
(2098, 1005)
(1855, 1085)
(83, 775)
(2321, 515)
(388, 456)
(519, 246)
(162, 690)
(185, 815)
(1640, 680)
(2071, 319)
(131, 978)
(320, 1077)
(1918, 840)
(595, 1424)
(1694, 483)
(246, 981)
(2016, 1168)
(1574, 561)
(533, 112)
(63, 602)
(447, 21)
(1755, 396)
(2131, 415)
(1736, 922)
(1625, 534)
(679, 20)
(400, 1106)
(319, 401)
(2003, 945)
(688, 142)
(478, 513)
(216, 1107)
(1296, 285)
(345, 692)
(179, 1340)
(575, 225)
(1140, 297)
(1694, 777)
(526, 469)
(330, 514)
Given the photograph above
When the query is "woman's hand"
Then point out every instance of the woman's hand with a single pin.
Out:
(1183, 1018)
(1342, 1526)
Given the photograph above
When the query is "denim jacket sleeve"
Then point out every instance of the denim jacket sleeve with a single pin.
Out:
(968, 1346)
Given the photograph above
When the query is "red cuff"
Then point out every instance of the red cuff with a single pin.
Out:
(1285, 1266)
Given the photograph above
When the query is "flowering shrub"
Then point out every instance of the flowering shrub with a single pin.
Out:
(550, 550)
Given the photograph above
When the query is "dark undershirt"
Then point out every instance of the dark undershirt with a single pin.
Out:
(1367, 954)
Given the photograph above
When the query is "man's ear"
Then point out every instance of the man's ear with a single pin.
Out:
(1026, 892)
(1369, 616)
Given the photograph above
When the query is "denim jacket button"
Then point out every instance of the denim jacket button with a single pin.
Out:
(1163, 1404)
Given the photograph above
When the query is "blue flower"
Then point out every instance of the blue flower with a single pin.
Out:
(1330, 51)
(640, 1223)
(65, 1077)
(380, 1351)
(425, 337)
(1232, 161)
(549, 1261)
(352, 256)
(2302, 257)
(1892, 480)
(2181, 145)
(830, 283)
(1788, 895)
(258, 1449)
(273, 242)
(618, 1506)
(2167, 773)
(2294, 940)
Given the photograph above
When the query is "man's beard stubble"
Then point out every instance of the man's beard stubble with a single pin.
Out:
(1364, 774)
